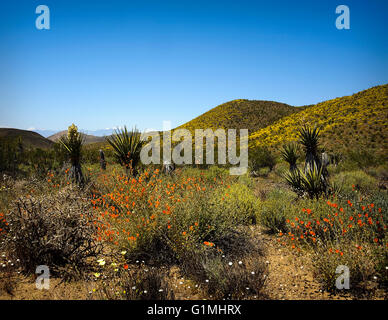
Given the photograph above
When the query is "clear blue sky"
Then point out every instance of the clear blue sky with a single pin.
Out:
(110, 63)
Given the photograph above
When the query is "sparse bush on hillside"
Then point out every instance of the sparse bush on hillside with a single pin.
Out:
(364, 158)
(380, 172)
(241, 114)
(10, 154)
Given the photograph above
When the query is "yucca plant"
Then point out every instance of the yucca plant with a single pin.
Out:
(294, 179)
(72, 144)
(290, 155)
(313, 181)
(310, 182)
(309, 138)
(127, 147)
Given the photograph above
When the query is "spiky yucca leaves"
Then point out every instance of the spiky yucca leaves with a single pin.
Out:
(290, 155)
(127, 147)
(309, 138)
(72, 144)
(294, 179)
(310, 182)
(313, 181)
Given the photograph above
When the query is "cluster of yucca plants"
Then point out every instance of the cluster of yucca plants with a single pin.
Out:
(311, 181)
(127, 146)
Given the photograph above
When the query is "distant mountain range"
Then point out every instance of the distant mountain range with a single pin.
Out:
(98, 133)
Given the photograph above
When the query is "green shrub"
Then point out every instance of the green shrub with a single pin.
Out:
(363, 265)
(278, 206)
(358, 180)
(259, 158)
(236, 203)
(273, 215)
(364, 158)
(246, 180)
(380, 172)
(215, 172)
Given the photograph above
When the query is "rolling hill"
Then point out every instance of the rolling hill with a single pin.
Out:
(242, 114)
(355, 122)
(88, 138)
(30, 139)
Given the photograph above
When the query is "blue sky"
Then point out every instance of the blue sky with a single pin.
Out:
(109, 63)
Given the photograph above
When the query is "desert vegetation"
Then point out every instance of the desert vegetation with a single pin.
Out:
(129, 231)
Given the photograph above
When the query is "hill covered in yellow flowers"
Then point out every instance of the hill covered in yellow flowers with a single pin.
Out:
(355, 122)
(241, 114)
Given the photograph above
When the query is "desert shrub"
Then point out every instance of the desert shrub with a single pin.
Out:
(275, 210)
(246, 180)
(261, 157)
(10, 154)
(349, 232)
(242, 280)
(281, 168)
(380, 172)
(236, 203)
(243, 266)
(55, 230)
(358, 180)
(8, 280)
(364, 264)
(215, 172)
(157, 217)
(137, 282)
(364, 158)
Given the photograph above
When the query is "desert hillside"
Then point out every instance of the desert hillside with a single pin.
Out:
(29, 139)
(242, 114)
(352, 122)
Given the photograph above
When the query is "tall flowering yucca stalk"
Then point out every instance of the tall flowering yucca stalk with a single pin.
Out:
(72, 143)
